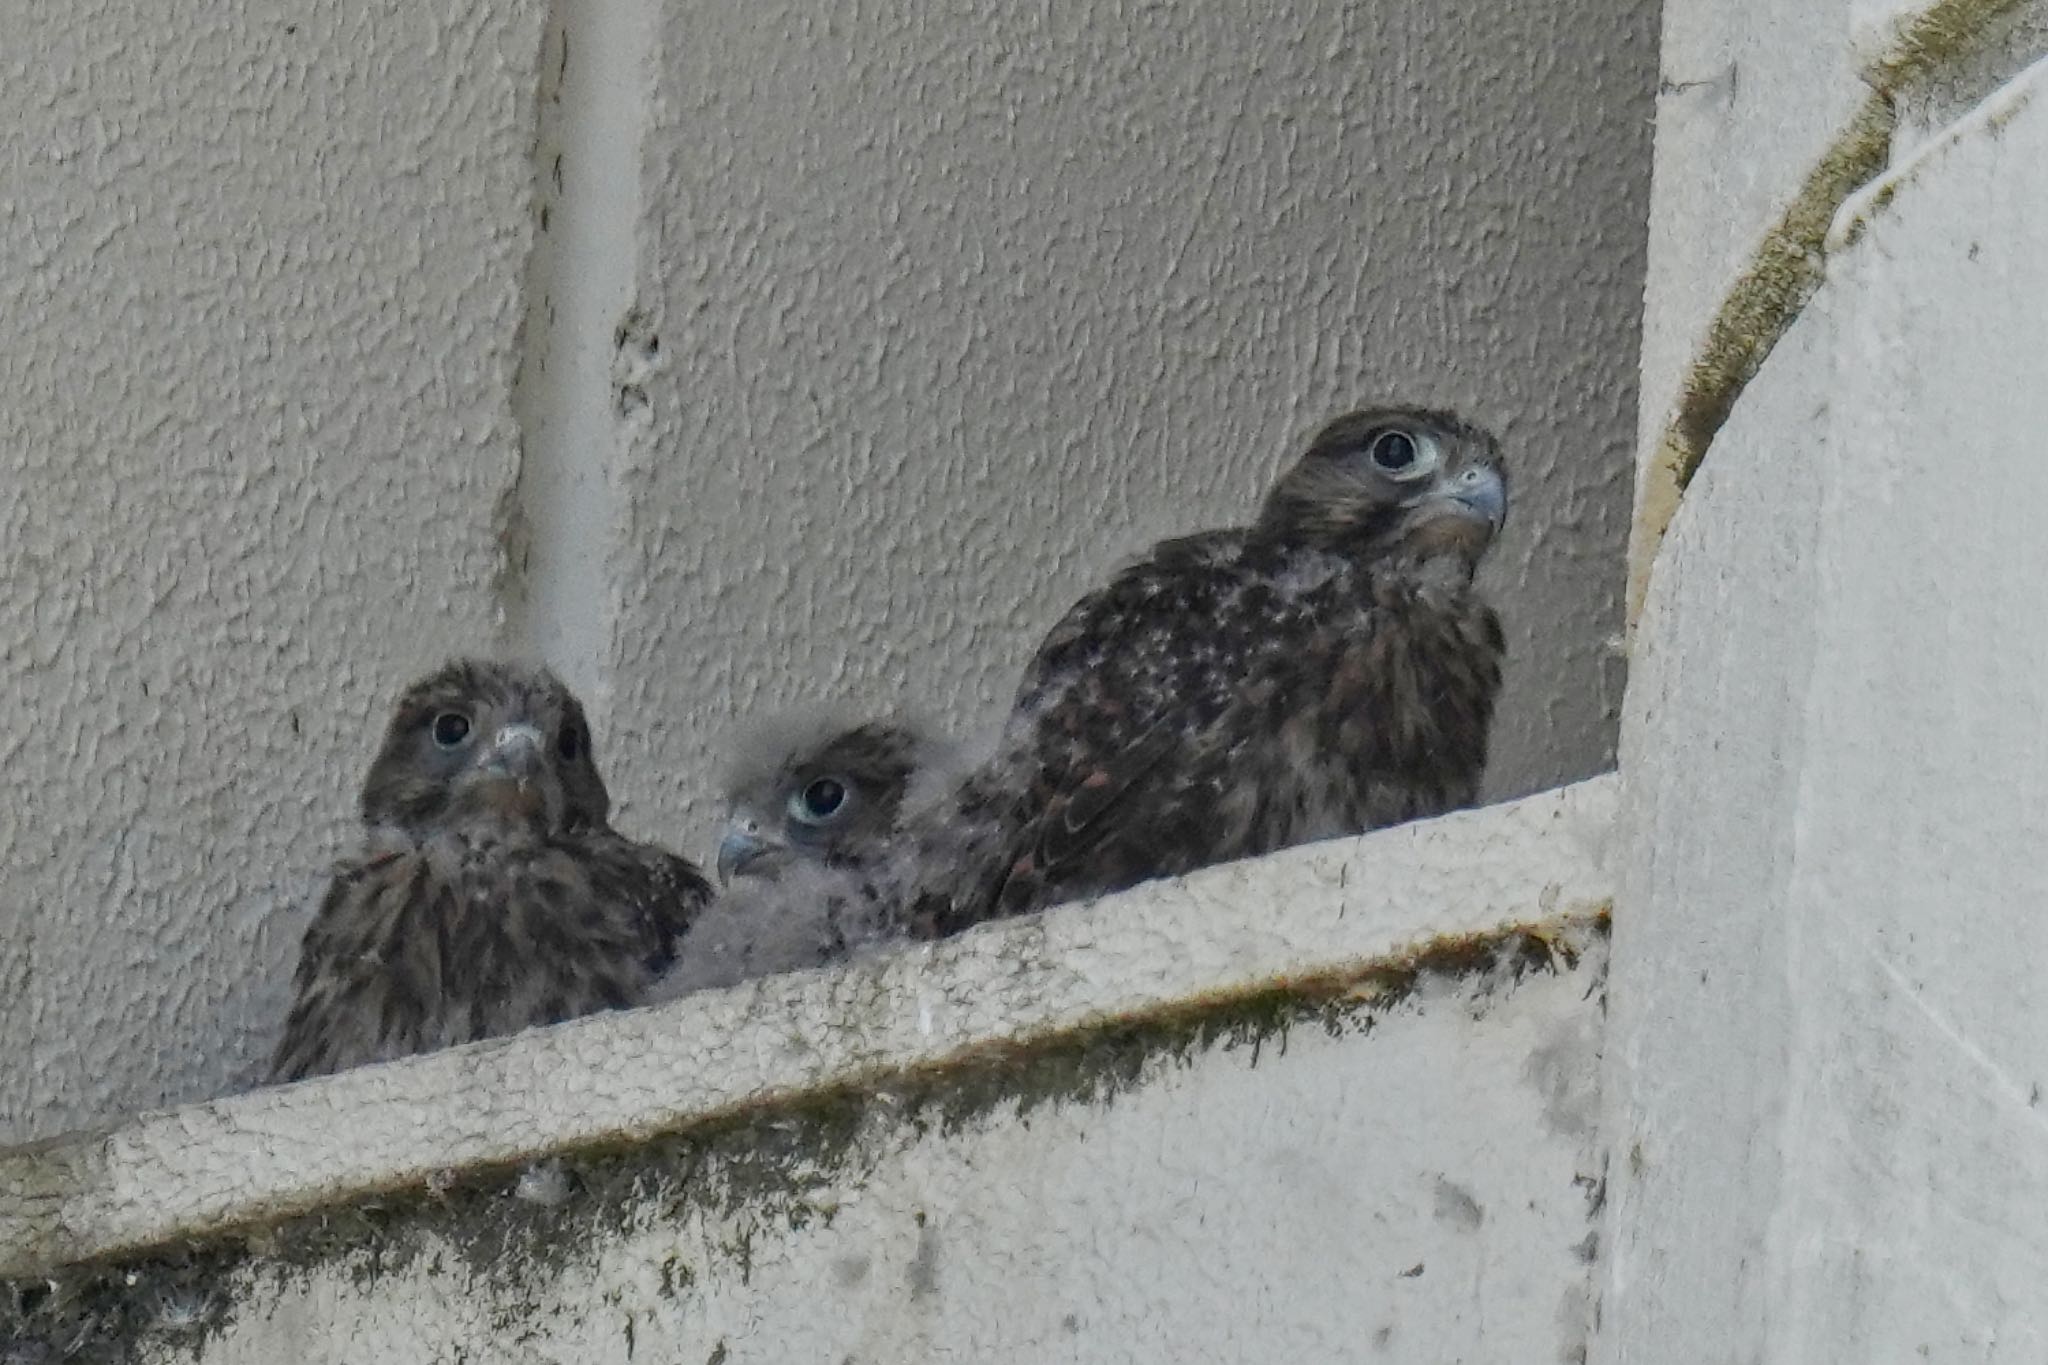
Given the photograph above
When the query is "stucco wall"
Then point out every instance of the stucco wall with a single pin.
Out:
(1337, 1103)
(956, 307)
(1826, 1043)
(262, 275)
(723, 358)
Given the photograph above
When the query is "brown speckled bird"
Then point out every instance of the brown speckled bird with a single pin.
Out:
(489, 894)
(1328, 670)
(813, 801)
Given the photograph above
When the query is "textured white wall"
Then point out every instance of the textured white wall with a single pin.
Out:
(1828, 1052)
(262, 276)
(958, 306)
(724, 358)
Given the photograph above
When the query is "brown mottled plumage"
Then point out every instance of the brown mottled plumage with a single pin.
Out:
(489, 894)
(1325, 671)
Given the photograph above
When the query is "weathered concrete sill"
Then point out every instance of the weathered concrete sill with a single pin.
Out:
(1352, 919)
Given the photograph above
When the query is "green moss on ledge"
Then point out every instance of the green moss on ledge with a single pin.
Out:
(782, 1163)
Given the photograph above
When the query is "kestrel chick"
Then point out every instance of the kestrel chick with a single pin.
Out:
(819, 790)
(1327, 670)
(489, 894)
(813, 805)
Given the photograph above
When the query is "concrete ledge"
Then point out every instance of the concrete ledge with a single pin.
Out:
(1339, 918)
(1828, 1054)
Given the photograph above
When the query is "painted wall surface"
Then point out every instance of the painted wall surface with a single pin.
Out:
(946, 310)
(1826, 1042)
(262, 269)
(723, 358)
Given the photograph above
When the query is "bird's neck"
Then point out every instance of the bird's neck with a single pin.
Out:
(475, 828)
(1286, 528)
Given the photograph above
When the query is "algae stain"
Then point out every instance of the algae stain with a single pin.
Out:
(787, 1161)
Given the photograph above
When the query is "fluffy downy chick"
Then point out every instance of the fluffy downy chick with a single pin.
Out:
(813, 803)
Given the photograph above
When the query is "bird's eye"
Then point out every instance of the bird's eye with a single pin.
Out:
(1404, 455)
(570, 742)
(451, 728)
(819, 802)
(1394, 452)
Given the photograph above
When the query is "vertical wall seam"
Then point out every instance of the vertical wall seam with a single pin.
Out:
(561, 519)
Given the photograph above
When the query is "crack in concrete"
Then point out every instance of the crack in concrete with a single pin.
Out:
(2023, 1099)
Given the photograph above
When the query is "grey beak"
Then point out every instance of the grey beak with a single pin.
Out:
(735, 851)
(1483, 491)
(515, 750)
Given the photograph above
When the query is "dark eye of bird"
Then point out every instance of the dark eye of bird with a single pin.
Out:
(450, 729)
(1393, 451)
(824, 797)
(570, 741)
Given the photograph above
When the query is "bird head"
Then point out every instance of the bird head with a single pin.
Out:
(1394, 481)
(491, 742)
(814, 791)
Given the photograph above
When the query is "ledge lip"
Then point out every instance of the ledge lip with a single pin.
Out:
(1330, 912)
(1863, 209)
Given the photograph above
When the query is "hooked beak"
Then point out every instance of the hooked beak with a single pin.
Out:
(504, 776)
(515, 752)
(1481, 491)
(738, 850)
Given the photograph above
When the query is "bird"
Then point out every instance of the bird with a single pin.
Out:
(815, 786)
(812, 800)
(1326, 670)
(487, 893)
